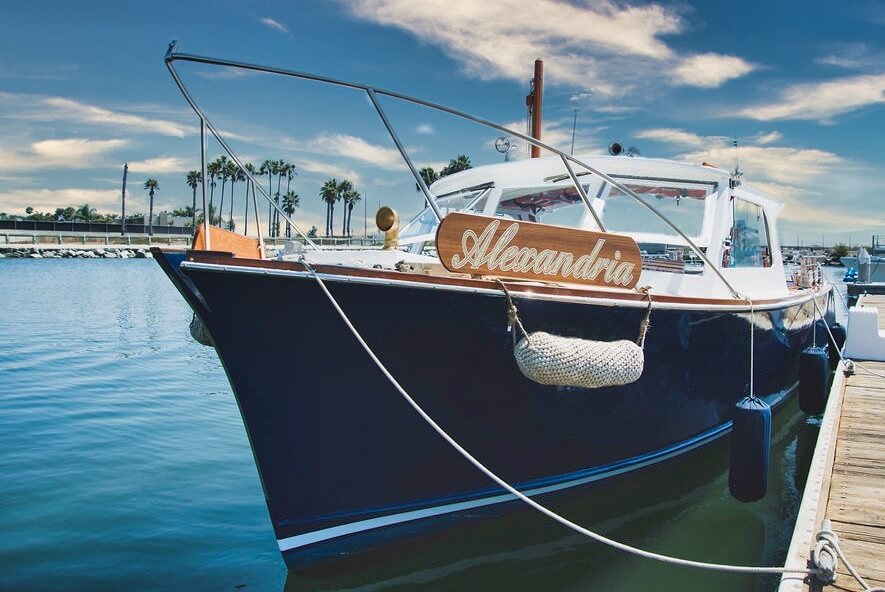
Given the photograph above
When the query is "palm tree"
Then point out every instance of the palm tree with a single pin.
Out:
(224, 171)
(290, 173)
(350, 198)
(280, 170)
(329, 194)
(151, 186)
(290, 202)
(250, 168)
(344, 188)
(193, 179)
(457, 164)
(267, 169)
(234, 173)
(86, 213)
(429, 176)
(212, 170)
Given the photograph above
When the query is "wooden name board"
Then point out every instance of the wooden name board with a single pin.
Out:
(502, 247)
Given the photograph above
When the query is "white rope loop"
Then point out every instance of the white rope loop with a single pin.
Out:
(518, 494)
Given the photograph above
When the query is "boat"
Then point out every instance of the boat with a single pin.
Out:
(874, 258)
(348, 465)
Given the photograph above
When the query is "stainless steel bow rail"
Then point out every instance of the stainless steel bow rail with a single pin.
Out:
(372, 92)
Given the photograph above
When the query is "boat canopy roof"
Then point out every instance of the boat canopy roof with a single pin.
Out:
(536, 171)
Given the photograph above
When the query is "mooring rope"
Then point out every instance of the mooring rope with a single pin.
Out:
(518, 494)
(646, 322)
(513, 314)
(513, 319)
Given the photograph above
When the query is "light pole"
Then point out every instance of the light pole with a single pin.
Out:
(123, 226)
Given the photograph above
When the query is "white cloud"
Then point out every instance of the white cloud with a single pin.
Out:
(356, 148)
(673, 136)
(330, 170)
(603, 47)
(824, 217)
(70, 153)
(821, 100)
(273, 24)
(71, 110)
(47, 200)
(425, 128)
(162, 164)
(710, 70)
(501, 39)
(797, 166)
(47, 108)
(767, 138)
(615, 109)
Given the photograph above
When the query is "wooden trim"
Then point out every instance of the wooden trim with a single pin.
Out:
(223, 240)
(476, 283)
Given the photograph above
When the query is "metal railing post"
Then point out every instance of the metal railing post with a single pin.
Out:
(431, 201)
(206, 212)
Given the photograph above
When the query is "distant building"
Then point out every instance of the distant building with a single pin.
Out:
(167, 219)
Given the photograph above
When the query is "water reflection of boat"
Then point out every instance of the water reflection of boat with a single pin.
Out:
(346, 464)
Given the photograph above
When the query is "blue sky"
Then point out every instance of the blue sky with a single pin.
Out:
(801, 85)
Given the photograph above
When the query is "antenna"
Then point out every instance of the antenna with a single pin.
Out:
(735, 180)
(737, 162)
(574, 125)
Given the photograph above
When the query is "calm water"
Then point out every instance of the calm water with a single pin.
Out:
(124, 465)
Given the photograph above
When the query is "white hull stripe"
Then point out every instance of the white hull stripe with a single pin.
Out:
(325, 534)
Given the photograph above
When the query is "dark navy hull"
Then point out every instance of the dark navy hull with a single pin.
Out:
(342, 456)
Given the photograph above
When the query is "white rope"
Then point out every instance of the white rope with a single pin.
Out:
(752, 343)
(515, 492)
(828, 541)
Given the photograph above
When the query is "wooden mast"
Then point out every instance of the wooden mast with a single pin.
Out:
(533, 100)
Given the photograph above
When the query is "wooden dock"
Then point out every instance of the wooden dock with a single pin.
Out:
(846, 482)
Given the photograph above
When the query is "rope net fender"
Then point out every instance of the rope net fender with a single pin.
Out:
(571, 361)
(520, 495)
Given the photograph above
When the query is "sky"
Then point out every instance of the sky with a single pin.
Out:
(799, 86)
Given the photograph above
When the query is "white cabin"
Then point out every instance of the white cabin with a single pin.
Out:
(732, 224)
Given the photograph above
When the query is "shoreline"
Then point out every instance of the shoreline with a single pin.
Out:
(74, 252)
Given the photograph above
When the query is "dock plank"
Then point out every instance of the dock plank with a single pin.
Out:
(852, 479)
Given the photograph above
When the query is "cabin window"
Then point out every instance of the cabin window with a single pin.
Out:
(424, 224)
(750, 246)
(684, 205)
(559, 204)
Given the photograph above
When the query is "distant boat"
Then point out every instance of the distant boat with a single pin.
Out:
(876, 257)
(347, 465)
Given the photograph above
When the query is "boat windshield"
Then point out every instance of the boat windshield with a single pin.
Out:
(559, 204)
(423, 226)
(683, 203)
